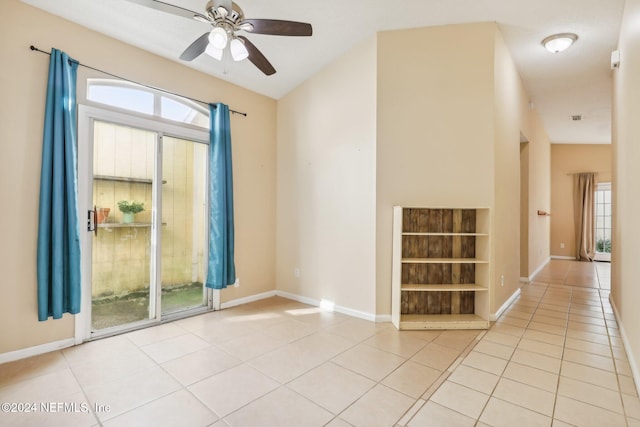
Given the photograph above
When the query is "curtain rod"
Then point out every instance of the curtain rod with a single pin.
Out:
(35, 49)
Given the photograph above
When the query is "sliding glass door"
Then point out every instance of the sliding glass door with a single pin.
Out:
(184, 224)
(144, 189)
(122, 281)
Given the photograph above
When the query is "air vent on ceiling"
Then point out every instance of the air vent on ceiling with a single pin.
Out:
(576, 118)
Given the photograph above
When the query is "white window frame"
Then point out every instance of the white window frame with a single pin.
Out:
(86, 115)
(157, 100)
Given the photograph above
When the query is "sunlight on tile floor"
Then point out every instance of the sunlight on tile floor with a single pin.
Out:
(555, 357)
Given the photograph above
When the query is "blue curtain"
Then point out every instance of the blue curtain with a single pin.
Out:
(221, 270)
(58, 257)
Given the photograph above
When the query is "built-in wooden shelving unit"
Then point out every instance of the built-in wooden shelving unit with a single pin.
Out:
(440, 277)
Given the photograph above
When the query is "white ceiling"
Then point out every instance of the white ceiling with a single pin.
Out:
(577, 81)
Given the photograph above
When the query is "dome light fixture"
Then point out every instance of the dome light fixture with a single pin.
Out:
(559, 42)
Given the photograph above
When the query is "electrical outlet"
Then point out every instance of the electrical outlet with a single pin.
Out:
(561, 245)
(502, 280)
(296, 273)
(237, 283)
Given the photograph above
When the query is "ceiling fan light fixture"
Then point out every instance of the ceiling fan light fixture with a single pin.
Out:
(238, 50)
(559, 42)
(218, 38)
(213, 52)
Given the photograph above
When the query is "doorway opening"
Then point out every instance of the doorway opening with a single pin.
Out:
(524, 208)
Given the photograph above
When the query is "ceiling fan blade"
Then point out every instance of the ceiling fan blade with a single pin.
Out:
(168, 8)
(257, 58)
(276, 27)
(196, 48)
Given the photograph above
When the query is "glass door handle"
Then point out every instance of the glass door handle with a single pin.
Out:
(92, 220)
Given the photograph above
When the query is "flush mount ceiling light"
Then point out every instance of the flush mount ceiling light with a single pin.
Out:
(559, 42)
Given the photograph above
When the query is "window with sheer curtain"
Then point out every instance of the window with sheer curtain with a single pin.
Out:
(603, 218)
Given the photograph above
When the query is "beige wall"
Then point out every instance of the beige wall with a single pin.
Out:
(435, 127)
(326, 184)
(449, 122)
(23, 88)
(510, 101)
(567, 159)
(539, 192)
(625, 268)
(524, 209)
(447, 114)
(539, 187)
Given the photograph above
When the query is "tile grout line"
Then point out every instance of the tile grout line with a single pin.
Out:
(441, 378)
(82, 390)
(564, 346)
(501, 376)
(613, 358)
(480, 337)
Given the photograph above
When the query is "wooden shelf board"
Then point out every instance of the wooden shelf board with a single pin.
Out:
(444, 261)
(123, 225)
(445, 287)
(124, 179)
(412, 233)
(127, 225)
(442, 321)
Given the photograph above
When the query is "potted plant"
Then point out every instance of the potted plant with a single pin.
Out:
(129, 209)
(103, 214)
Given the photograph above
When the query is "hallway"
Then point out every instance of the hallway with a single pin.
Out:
(555, 354)
(572, 273)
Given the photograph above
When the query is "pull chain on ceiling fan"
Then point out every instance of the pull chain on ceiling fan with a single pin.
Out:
(226, 18)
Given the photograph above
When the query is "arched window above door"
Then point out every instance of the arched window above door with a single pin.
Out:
(129, 96)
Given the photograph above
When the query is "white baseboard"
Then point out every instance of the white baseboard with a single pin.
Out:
(246, 300)
(539, 269)
(337, 308)
(627, 347)
(70, 342)
(310, 301)
(299, 298)
(495, 316)
(23, 353)
(382, 318)
(572, 258)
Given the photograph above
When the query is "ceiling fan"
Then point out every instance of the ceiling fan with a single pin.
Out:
(227, 19)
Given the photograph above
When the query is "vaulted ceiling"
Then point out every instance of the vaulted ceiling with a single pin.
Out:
(575, 82)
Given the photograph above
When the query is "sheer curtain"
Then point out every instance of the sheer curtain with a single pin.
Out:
(58, 254)
(221, 270)
(584, 187)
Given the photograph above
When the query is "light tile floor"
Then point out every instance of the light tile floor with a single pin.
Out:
(554, 358)
(572, 273)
